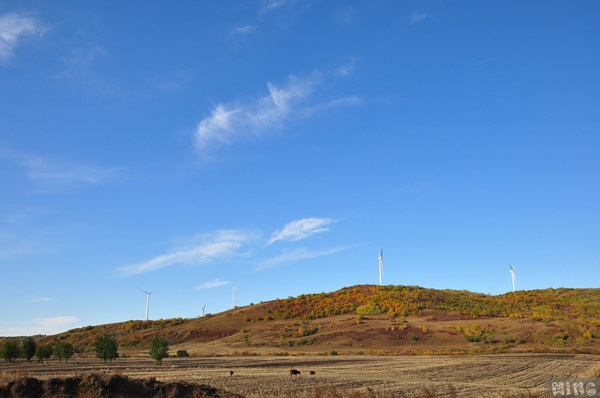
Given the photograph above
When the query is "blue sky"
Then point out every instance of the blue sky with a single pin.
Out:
(276, 146)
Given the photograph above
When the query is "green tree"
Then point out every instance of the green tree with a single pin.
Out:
(67, 351)
(28, 348)
(63, 350)
(182, 353)
(58, 351)
(43, 351)
(106, 347)
(159, 349)
(10, 350)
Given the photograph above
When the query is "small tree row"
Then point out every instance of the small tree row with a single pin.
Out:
(11, 350)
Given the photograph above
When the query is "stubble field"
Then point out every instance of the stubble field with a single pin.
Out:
(468, 376)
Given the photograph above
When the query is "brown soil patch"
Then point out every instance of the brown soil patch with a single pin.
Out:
(106, 385)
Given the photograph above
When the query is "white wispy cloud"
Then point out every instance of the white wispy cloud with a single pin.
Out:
(46, 326)
(207, 248)
(296, 255)
(334, 103)
(13, 28)
(301, 229)
(346, 69)
(242, 30)
(417, 17)
(231, 122)
(268, 5)
(14, 247)
(216, 283)
(41, 300)
(345, 15)
(53, 174)
(236, 121)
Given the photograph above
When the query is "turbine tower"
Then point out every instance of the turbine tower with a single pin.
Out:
(147, 300)
(233, 297)
(514, 279)
(204, 306)
(380, 258)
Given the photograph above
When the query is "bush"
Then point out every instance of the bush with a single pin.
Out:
(63, 350)
(561, 338)
(414, 338)
(477, 333)
(106, 347)
(43, 352)
(159, 349)
(10, 350)
(28, 348)
(369, 309)
(182, 353)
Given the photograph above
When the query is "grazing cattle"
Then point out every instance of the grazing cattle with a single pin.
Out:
(294, 372)
(312, 372)
(231, 373)
(76, 363)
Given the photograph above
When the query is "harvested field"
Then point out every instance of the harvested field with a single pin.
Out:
(468, 376)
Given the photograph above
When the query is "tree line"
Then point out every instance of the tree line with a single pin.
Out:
(106, 348)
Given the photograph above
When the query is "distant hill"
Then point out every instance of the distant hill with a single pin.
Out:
(385, 320)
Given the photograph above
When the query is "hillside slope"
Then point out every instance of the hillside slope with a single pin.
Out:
(374, 319)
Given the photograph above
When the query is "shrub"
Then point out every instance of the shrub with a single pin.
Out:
(43, 352)
(63, 350)
(369, 309)
(561, 338)
(106, 347)
(10, 350)
(477, 333)
(182, 353)
(28, 348)
(159, 349)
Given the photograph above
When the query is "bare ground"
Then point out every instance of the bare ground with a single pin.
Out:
(463, 376)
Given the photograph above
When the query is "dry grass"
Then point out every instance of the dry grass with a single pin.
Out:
(342, 376)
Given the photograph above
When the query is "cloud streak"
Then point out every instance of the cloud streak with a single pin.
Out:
(301, 229)
(212, 247)
(242, 30)
(41, 300)
(13, 28)
(216, 283)
(296, 255)
(45, 326)
(52, 174)
(235, 121)
(268, 5)
(417, 17)
(231, 122)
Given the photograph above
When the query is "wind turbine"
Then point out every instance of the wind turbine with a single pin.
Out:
(204, 306)
(380, 258)
(147, 300)
(514, 279)
(233, 297)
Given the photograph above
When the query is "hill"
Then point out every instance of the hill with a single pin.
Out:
(376, 320)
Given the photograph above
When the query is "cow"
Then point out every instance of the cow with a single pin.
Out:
(294, 372)
(312, 372)
(231, 373)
